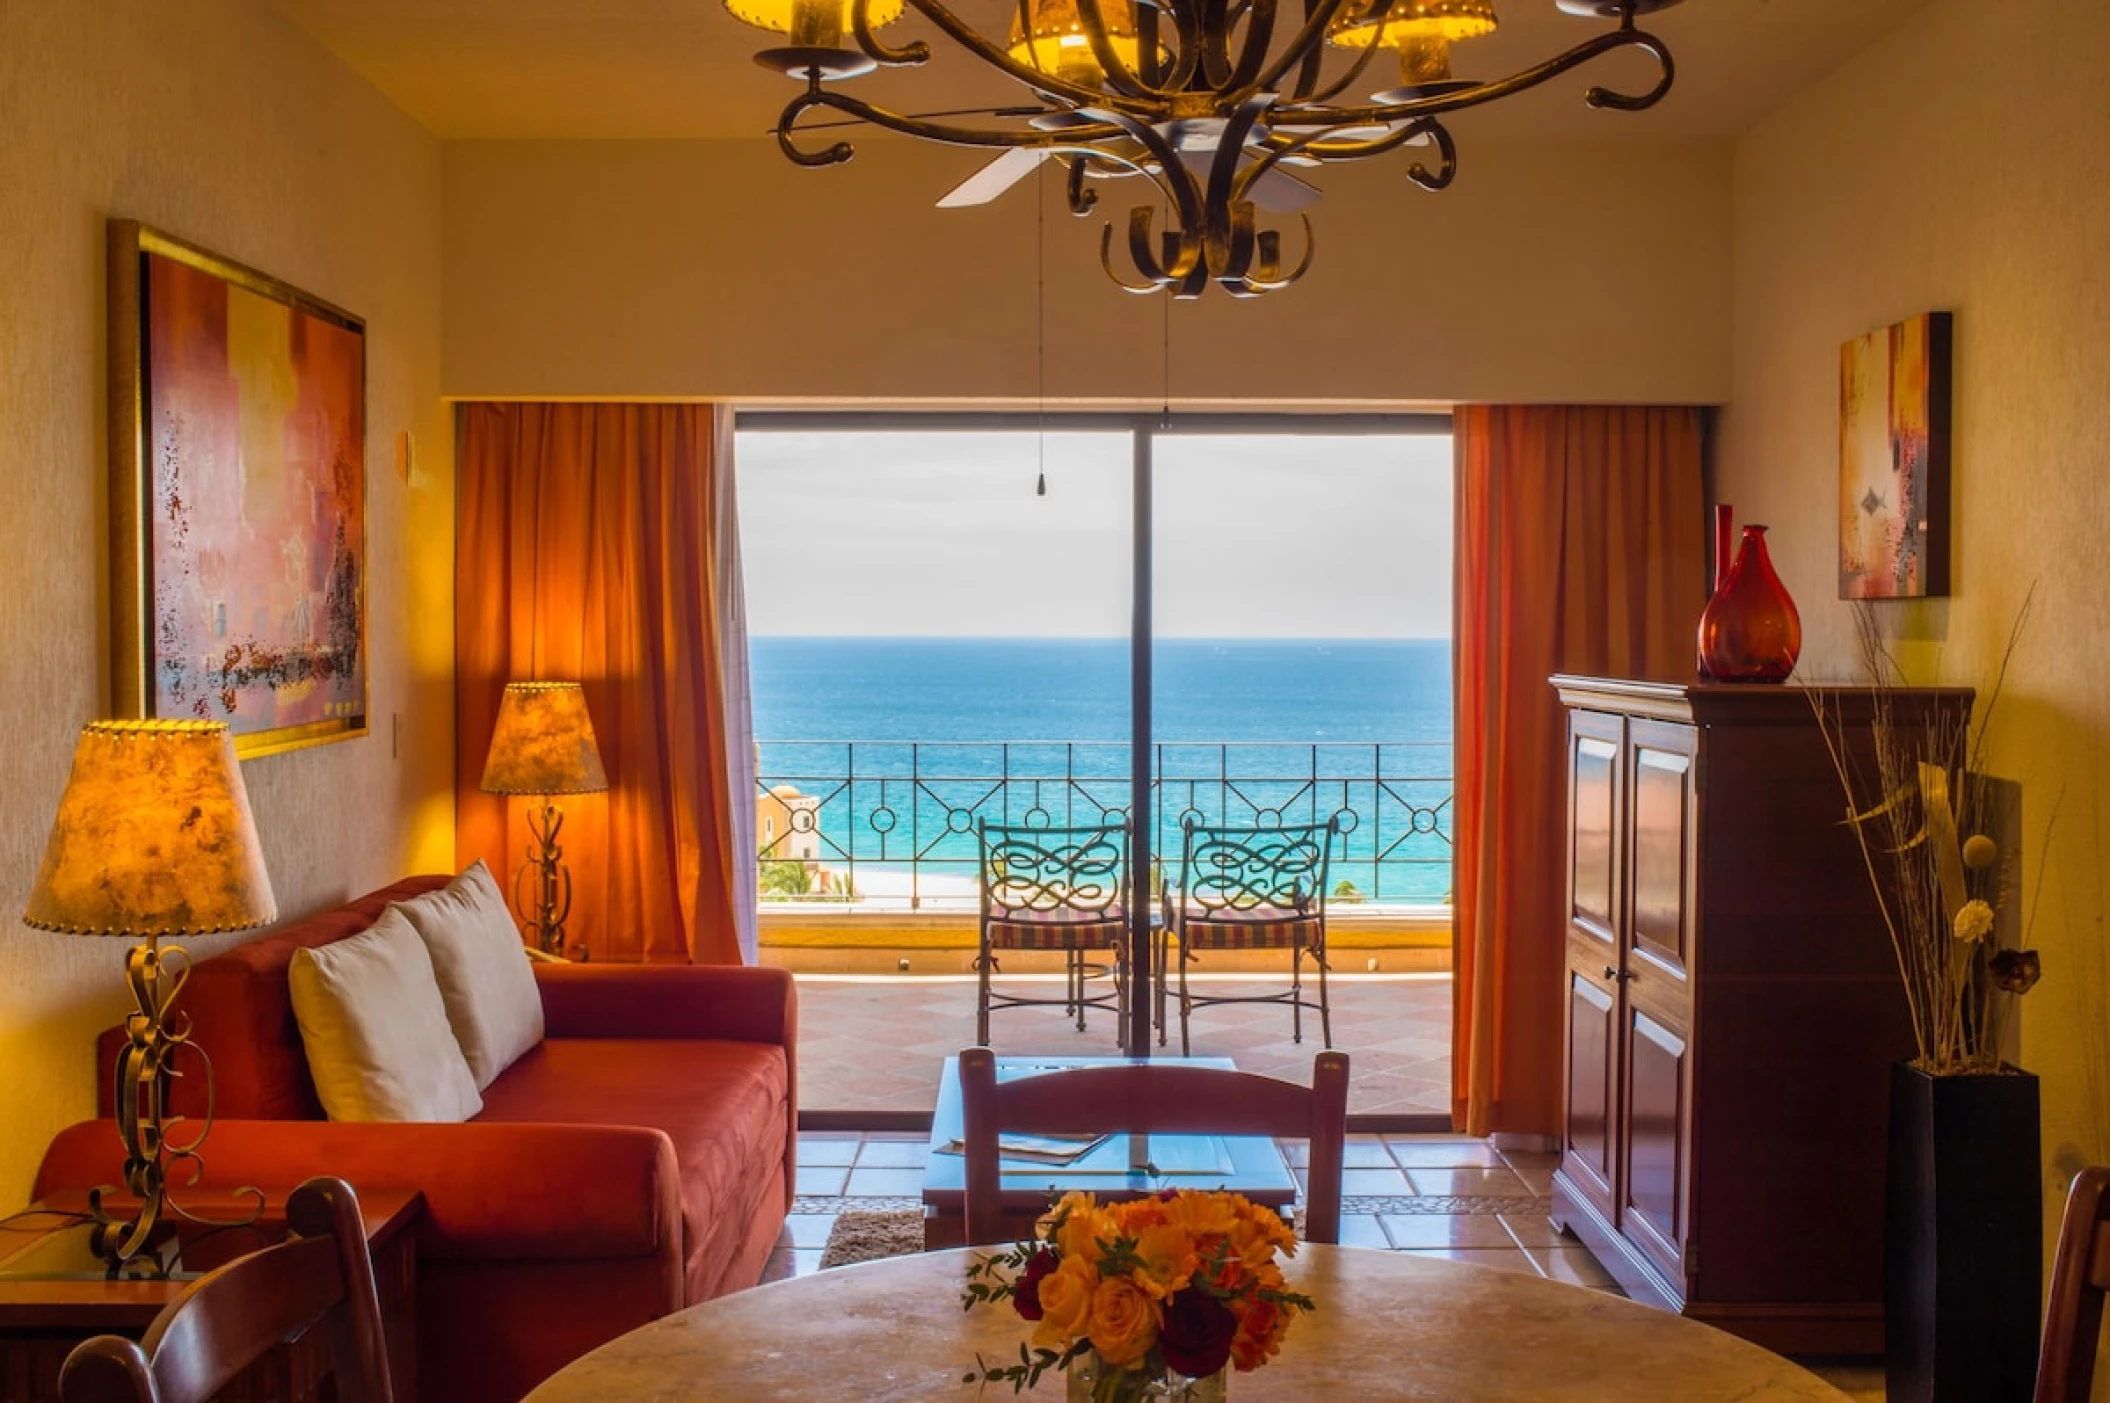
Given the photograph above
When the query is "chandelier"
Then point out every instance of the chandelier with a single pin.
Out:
(1197, 99)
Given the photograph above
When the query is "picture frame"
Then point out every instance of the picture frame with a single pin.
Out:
(237, 498)
(1895, 394)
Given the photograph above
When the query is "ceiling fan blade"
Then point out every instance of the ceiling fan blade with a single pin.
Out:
(995, 178)
(1277, 191)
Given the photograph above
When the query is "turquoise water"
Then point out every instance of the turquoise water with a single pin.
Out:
(908, 742)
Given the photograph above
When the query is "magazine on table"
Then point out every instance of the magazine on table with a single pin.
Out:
(1162, 1155)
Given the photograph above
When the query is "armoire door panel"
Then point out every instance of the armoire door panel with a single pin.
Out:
(1664, 804)
(1593, 1086)
(1593, 823)
(1658, 1082)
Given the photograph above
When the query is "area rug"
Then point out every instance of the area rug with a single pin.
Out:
(865, 1236)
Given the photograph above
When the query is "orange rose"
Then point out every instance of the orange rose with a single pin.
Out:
(1124, 1323)
(1259, 1333)
(1066, 1296)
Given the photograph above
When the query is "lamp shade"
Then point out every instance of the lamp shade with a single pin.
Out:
(1393, 24)
(543, 742)
(810, 20)
(153, 837)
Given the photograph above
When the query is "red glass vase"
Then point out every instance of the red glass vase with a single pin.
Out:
(1750, 631)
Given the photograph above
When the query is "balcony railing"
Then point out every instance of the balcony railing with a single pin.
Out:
(893, 822)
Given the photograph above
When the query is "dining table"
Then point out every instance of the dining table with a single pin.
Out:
(1388, 1326)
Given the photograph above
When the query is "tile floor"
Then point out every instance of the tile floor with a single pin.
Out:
(875, 1044)
(1398, 1191)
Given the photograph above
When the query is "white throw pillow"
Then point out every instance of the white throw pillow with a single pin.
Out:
(378, 1043)
(482, 969)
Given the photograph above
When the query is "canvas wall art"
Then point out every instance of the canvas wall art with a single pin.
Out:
(238, 498)
(1894, 461)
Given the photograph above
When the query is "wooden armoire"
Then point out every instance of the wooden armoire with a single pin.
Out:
(1733, 1007)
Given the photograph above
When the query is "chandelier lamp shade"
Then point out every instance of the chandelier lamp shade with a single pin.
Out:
(543, 744)
(1209, 106)
(153, 840)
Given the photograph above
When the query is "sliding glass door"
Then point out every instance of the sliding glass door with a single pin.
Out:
(1240, 620)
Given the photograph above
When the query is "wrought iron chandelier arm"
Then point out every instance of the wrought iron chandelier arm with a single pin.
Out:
(1120, 78)
(1319, 145)
(1077, 138)
(908, 55)
(963, 34)
(1259, 35)
(1440, 104)
(1312, 33)
(1346, 81)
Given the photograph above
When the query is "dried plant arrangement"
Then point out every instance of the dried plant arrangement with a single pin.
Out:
(1921, 805)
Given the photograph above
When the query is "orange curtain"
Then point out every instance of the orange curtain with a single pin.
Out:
(586, 549)
(1581, 549)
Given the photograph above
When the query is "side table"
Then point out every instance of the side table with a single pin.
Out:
(45, 1313)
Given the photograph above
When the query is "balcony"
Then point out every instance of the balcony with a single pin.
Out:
(868, 872)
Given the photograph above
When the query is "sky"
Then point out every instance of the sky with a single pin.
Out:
(930, 534)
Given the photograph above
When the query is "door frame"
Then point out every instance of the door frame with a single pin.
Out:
(1144, 428)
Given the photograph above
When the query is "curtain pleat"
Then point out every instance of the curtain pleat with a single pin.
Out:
(588, 548)
(1581, 549)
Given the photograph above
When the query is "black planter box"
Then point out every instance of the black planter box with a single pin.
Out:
(1963, 1238)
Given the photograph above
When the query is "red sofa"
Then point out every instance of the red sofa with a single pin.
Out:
(639, 1160)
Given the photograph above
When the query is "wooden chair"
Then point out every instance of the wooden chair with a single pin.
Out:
(1055, 889)
(1159, 1098)
(1251, 889)
(225, 1320)
(2080, 1274)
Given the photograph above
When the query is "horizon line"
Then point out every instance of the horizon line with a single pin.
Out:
(1101, 637)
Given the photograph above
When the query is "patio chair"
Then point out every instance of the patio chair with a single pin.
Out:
(1158, 1098)
(1055, 889)
(228, 1318)
(1250, 889)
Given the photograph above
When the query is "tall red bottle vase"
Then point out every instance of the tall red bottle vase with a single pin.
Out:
(1750, 631)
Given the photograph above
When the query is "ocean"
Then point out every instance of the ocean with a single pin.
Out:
(907, 742)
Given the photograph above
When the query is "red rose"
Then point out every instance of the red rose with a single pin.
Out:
(1196, 1336)
(1025, 1292)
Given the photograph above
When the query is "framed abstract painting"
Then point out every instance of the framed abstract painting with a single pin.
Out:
(1894, 392)
(237, 498)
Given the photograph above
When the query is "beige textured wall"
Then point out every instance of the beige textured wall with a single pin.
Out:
(1940, 171)
(1584, 273)
(214, 120)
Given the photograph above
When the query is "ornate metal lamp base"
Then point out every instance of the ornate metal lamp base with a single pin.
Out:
(544, 910)
(134, 1242)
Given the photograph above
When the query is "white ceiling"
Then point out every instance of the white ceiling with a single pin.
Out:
(632, 69)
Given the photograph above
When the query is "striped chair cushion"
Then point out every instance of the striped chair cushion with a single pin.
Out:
(1058, 929)
(1261, 928)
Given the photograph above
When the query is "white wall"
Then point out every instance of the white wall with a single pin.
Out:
(718, 269)
(218, 122)
(1962, 163)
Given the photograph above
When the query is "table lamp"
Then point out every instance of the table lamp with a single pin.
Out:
(543, 745)
(153, 840)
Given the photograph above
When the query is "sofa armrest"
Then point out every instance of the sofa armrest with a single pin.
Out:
(733, 1003)
(492, 1192)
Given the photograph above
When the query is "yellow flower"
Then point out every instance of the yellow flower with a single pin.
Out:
(1124, 1321)
(1066, 1296)
(1258, 1235)
(1201, 1214)
(1168, 1258)
(1081, 1233)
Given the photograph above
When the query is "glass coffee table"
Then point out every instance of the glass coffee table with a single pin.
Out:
(1116, 1167)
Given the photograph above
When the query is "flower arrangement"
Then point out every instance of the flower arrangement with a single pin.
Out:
(1177, 1284)
(1922, 806)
